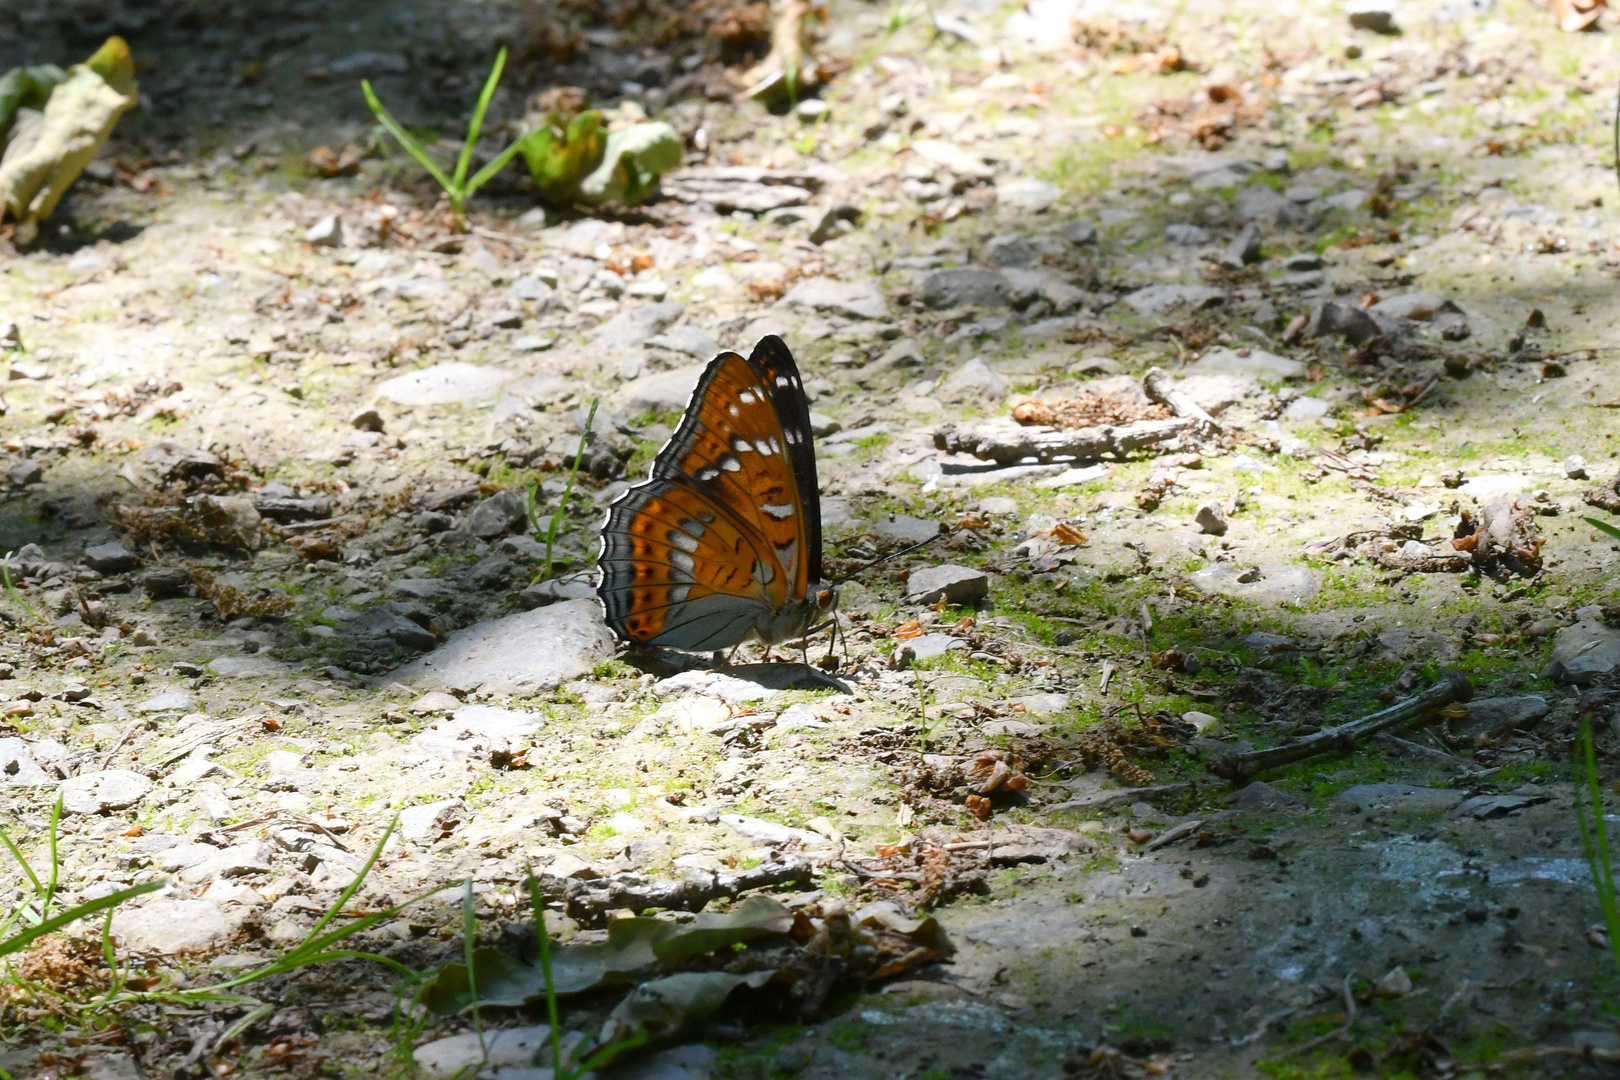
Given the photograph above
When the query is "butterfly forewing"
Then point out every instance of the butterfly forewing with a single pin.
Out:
(724, 538)
(733, 444)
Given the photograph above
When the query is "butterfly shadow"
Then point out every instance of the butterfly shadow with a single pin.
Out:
(779, 676)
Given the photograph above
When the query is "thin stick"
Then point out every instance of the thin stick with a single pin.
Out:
(1340, 1032)
(1453, 686)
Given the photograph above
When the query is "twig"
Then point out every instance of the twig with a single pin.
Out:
(1336, 1033)
(1265, 1025)
(1428, 753)
(1160, 387)
(1236, 767)
(129, 729)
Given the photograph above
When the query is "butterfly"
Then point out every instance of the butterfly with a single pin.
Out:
(722, 541)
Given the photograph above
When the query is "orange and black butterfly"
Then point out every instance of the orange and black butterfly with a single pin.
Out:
(722, 542)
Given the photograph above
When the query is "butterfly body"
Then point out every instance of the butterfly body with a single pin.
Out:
(722, 541)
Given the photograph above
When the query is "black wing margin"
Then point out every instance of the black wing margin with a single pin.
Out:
(774, 365)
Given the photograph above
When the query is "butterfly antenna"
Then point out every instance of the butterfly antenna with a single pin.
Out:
(892, 555)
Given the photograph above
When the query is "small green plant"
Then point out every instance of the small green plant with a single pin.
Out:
(31, 919)
(458, 187)
(557, 515)
(1603, 527)
(1595, 836)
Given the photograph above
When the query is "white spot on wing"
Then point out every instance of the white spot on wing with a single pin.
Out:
(741, 446)
(780, 512)
(679, 593)
(708, 474)
(730, 464)
(683, 541)
(776, 445)
(682, 562)
(783, 380)
(733, 410)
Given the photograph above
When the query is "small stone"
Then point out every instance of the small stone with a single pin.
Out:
(25, 471)
(327, 232)
(498, 514)
(1156, 299)
(955, 584)
(162, 582)
(974, 379)
(811, 109)
(998, 506)
(238, 860)
(1575, 467)
(507, 320)
(1244, 250)
(1399, 797)
(1276, 161)
(1008, 249)
(1395, 983)
(508, 1051)
(852, 299)
(10, 334)
(367, 420)
(1027, 194)
(435, 701)
(1202, 722)
(1302, 262)
(103, 792)
(110, 558)
(1375, 15)
(432, 821)
(635, 326)
(172, 926)
(18, 767)
(966, 286)
(1211, 519)
(446, 384)
(905, 529)
(1186, 235)
(1080, 231)
(530, 652)
(176, 701)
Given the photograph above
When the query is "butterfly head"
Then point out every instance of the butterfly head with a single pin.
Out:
(826, 599)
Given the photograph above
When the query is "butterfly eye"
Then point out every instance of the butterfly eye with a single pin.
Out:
(824, 599)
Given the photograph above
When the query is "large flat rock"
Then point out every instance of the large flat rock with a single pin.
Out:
(446, 384)
(528, 653)
(1260, 584)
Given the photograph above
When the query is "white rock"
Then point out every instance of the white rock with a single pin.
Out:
(171, 926)
(473, 730)
(327, 232)
(1029, 195)
(459, 1054)
(528, 653)
(102, 792)
(432, 821)
(713, 684)
(769, 832)
(446, 384)
(18, 767)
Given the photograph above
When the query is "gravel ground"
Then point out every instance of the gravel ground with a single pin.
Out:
(271, 440)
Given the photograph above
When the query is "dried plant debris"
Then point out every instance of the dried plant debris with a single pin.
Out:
(1210, 119)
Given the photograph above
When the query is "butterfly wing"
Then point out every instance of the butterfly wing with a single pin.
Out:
(727, 528)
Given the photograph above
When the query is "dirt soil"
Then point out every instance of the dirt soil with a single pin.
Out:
(260, 468)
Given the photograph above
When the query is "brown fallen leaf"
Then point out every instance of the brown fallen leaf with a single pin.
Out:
(1573, 16)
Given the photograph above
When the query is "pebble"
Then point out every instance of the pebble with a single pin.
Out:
(459, 1055)
(959, 585)
(1186, 235)
(247, 667)
(498, 514)
(1583, 651)
(1211, 519)
(635, 326)
(769, 832)
(171, 926)
(472, 730)
(527, 653)
(930, 646)
(110, 558)
(853, 299)
(446, 384)
(1080, 231)
(667, 391)
(966, 286)
(973, 379)
(1244, 250)
(1156, 299)
(1261, 796)
(238, 860)
(103, 792)
(1375, 15)
(432, 821)
(1009, 249)
(1255, 363)
(1307, 408)
(24, 472)
(327, 232)
(905, 529)
(1575, 467)
(1029, 195)
(18, 767)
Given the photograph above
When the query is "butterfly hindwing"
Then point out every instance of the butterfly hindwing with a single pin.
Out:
(680, 570)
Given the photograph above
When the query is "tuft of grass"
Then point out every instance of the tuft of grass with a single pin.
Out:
(11, 589)
(457, 187)
(1595, 836)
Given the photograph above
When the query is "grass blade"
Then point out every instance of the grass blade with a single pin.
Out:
(477, 127)
(11, 590)
(568, 489)
(1603, 527)
(1595, 841)
(544, 937)
(24, 938)
(406, 139)
(469, 939)
(353, 887)
(483, 176)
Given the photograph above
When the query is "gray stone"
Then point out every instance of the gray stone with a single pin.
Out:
(1354, 199)
(973, 379)
(1027, 194)
(1244, 250)
(18, 767)
(172, 926)
(168, 701)
(966, 286)
(769, 832)
(418, 588)
(1307, 408)
(1342, 320)
(1485, 807)
(1276, 161)
(446, 384)
(1417, 306)
(1261, 796)
(931, 646)
(1303, 261)
(1080, 231)
(1272, 584)
(238, 860)
(103, 792)
(1258, 364)
(110, 558)
(668, 391)
(176, 462)
(905, 529)
(530, 652)
(852, 299)
(380, 623)
(961, 585)
(25, 471)
(1009, 249)
(327, 232)
(686, 339)
(1583, 651)
(635, 326)
(432, 821)
(1575, 467)
(1224, 173)
(506, 319)
(1368, 797)
(161, 582)
(1211, 519)
(1186, 235)
(509, 1049)
(498, 514)
(247, 667)
(1492, 718)
(1261, 203)
(552, 590)
(1156, 299)
(474, 730)
(529, 287)
(1026, 285)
